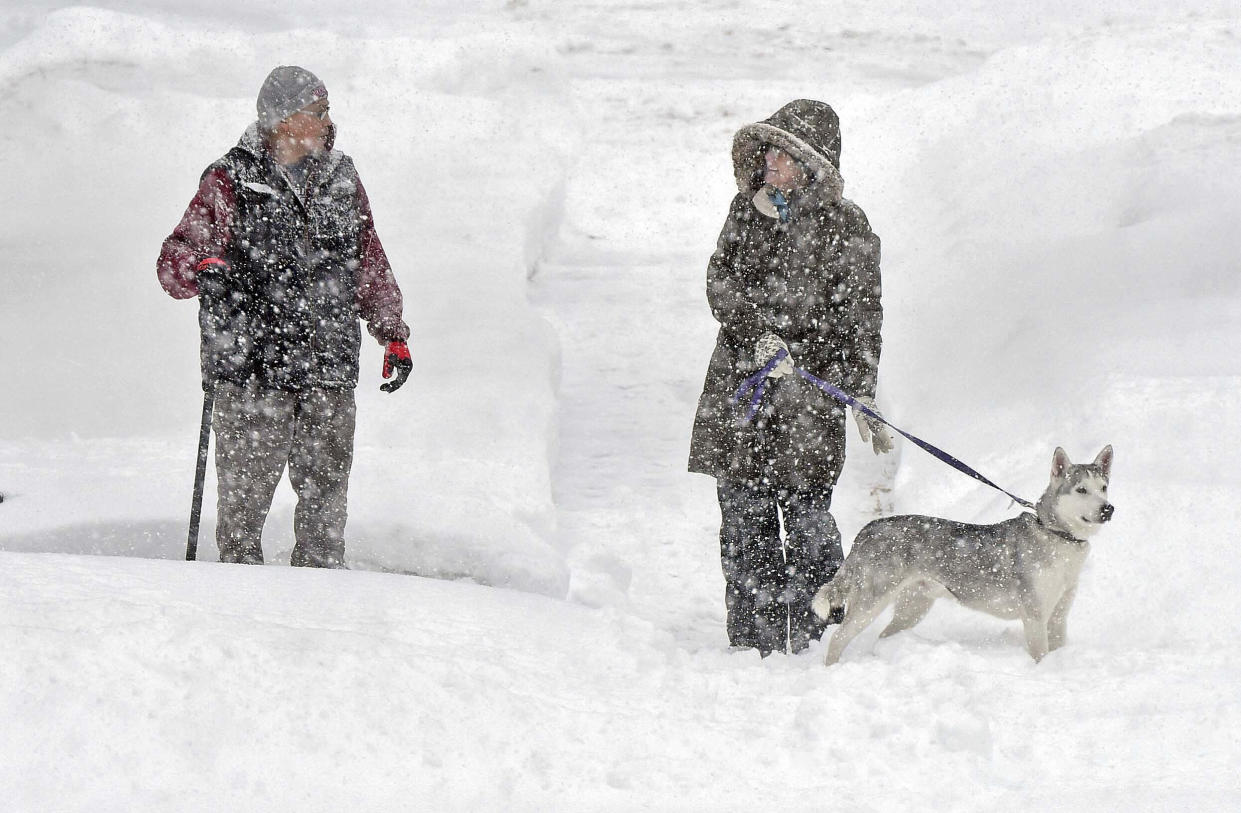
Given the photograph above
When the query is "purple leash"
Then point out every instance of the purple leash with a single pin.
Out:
(758, 383)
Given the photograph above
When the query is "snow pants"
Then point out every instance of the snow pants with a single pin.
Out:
(769, 583)
(258, 431)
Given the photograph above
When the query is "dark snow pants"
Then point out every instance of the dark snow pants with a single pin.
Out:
(257, 432)
(768, 584)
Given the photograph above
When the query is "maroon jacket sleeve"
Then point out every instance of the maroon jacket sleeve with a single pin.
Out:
(379, 299)
(204, 231)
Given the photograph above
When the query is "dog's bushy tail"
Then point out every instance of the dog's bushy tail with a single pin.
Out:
(831, 595)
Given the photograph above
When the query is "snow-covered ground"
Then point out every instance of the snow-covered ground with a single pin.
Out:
(1057, 190)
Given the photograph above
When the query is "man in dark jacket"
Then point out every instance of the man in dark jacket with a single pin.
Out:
(280, 248)
(796, 269)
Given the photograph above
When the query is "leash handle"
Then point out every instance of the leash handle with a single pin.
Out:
(758, 382)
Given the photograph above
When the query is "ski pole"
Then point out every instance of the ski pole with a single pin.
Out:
(200, 475)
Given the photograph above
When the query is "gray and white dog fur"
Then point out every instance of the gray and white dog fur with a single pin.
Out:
(1026, 567)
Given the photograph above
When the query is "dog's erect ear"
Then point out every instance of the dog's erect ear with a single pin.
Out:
(1060, 463)
(1104, 460)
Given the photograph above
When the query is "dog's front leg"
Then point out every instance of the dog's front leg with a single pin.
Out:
(1036, 637)
(1058, 626)
(1034, 620)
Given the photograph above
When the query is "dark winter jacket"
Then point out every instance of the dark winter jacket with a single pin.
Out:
(303, 263)
(814, 282)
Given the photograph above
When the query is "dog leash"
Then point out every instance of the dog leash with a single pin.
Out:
(756, 385)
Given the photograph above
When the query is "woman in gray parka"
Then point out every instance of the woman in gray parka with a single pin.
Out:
(796, 269)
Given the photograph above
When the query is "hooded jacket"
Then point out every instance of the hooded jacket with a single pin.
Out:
(814, 282)
(303, 262)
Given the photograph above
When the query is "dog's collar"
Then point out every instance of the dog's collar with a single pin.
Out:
(1062, 534)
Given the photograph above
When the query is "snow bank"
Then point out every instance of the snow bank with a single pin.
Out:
(150, 685)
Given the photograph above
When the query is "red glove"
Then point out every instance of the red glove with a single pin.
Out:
(396, 357)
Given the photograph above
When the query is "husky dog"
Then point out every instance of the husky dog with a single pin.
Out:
(1026, 567)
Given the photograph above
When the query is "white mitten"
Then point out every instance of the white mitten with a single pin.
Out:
(767, 346)
(872, 431)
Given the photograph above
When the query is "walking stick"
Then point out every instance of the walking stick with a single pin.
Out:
(200, 475)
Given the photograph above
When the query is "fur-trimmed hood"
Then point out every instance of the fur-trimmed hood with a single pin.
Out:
(807, 130)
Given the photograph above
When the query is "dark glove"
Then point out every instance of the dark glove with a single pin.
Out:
(210, 275)
(396, 357)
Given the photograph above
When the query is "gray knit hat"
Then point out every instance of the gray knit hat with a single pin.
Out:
(286, 90)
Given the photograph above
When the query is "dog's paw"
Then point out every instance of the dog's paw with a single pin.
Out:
(821, 604)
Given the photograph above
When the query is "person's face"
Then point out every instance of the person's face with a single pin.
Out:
(781, 171)
(308, 128)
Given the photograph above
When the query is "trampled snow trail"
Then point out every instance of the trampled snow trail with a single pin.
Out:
(625, 504)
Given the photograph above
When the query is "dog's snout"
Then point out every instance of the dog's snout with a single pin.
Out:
(1106, 511)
